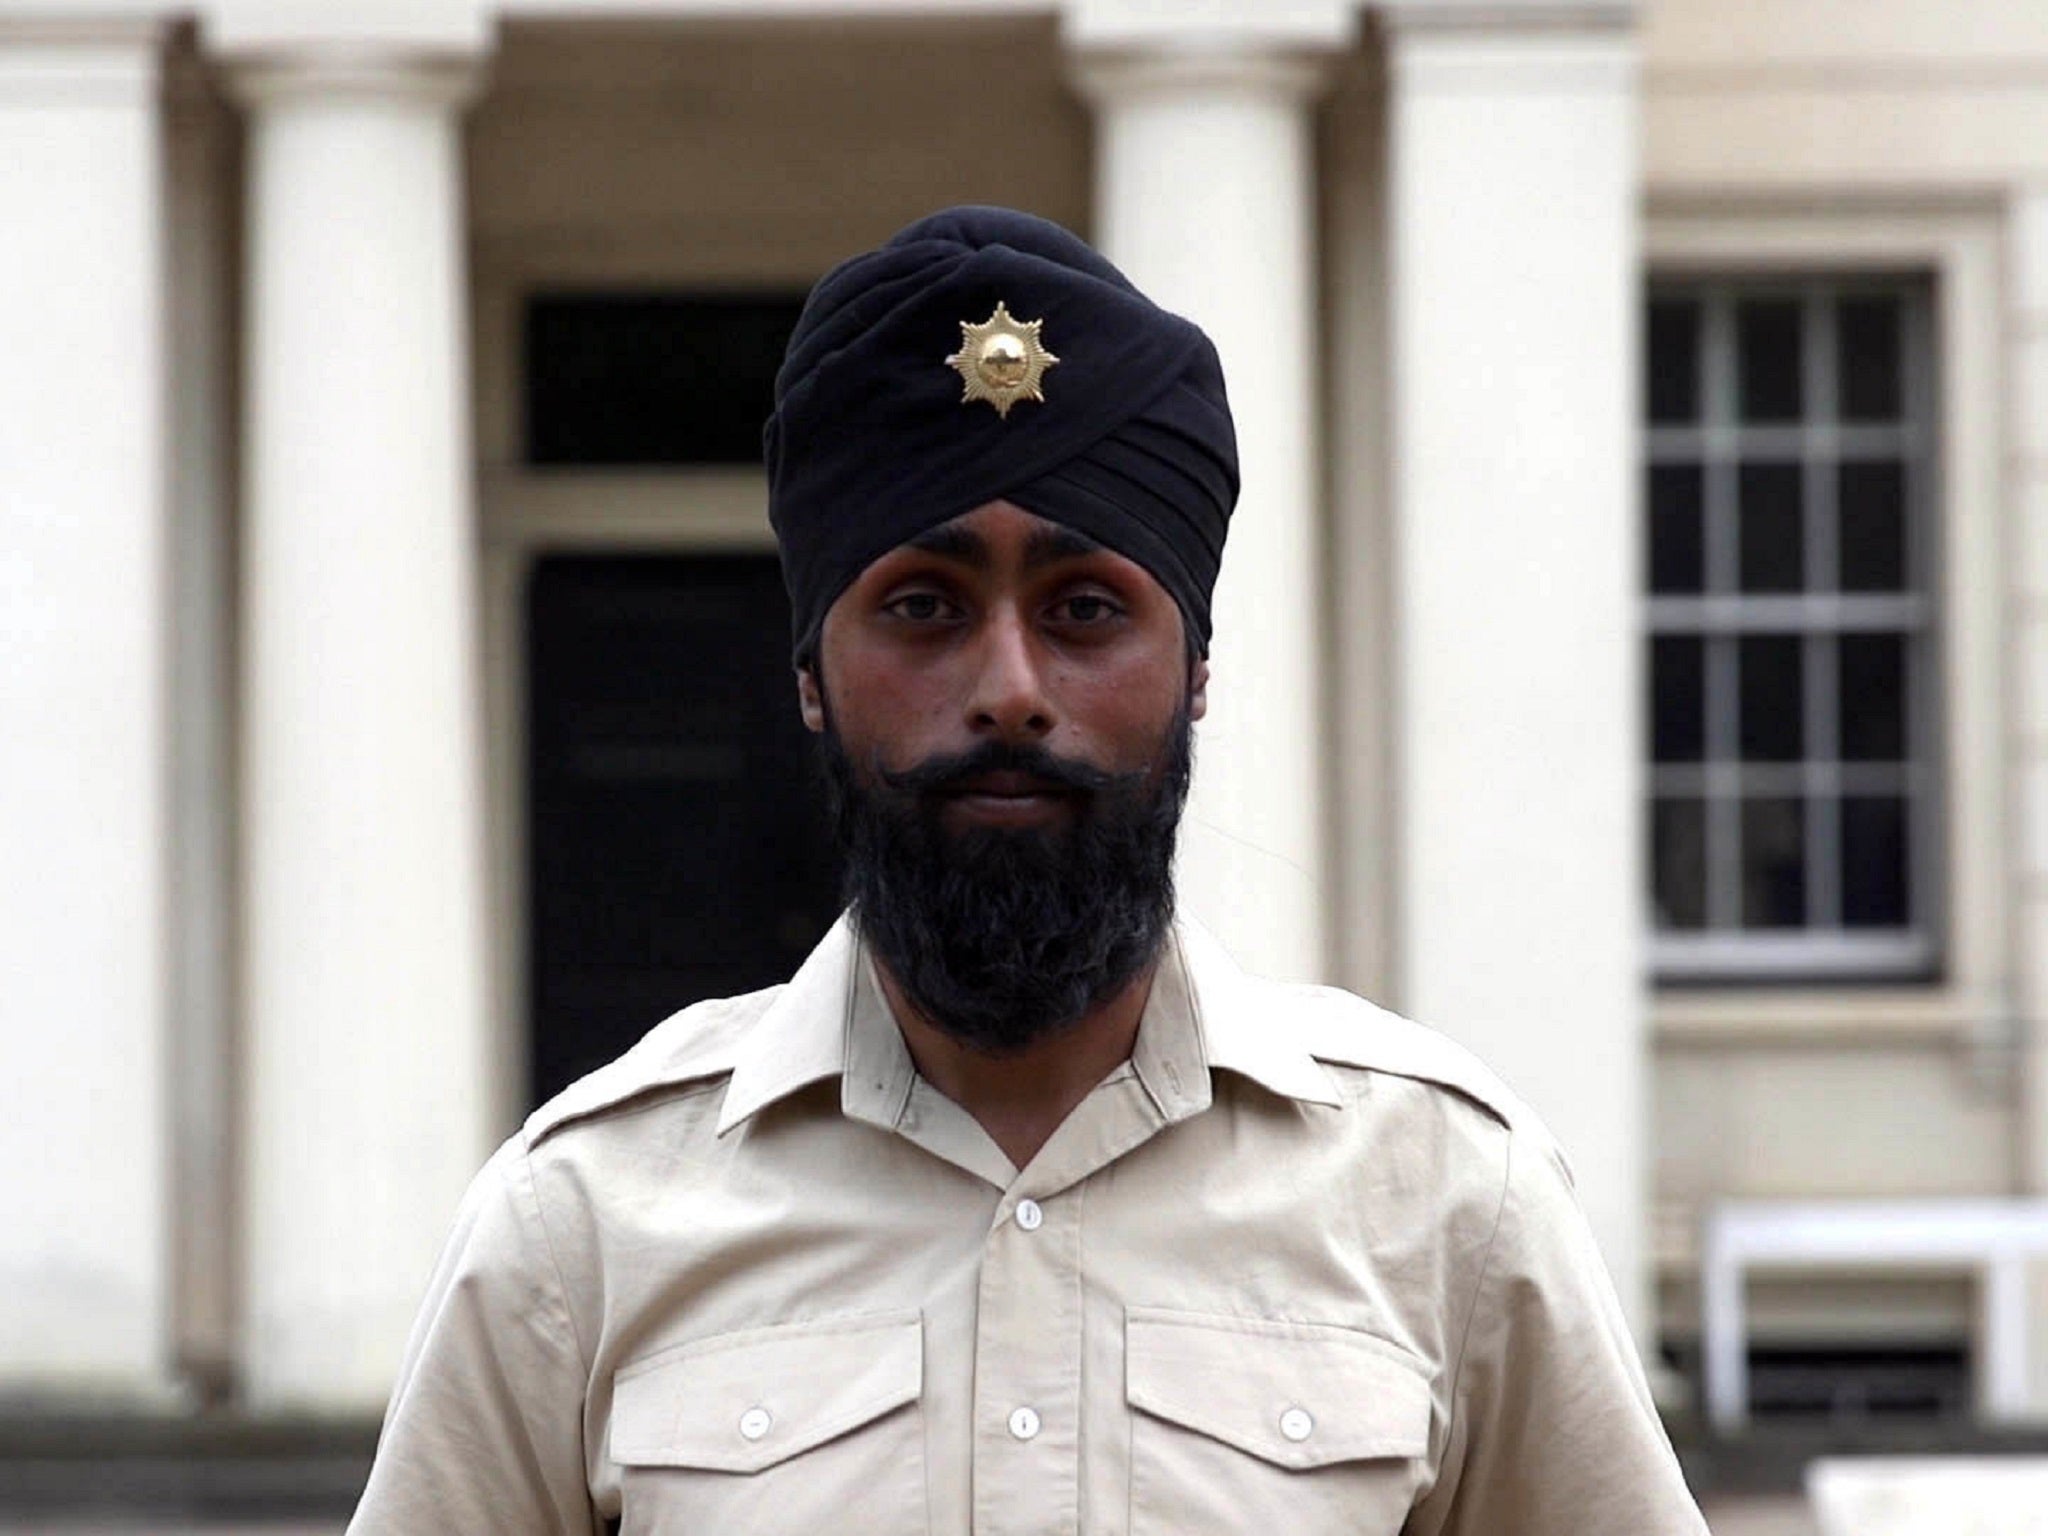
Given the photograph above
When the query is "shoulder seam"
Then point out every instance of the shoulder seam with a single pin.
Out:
(547, 1238)
(1507, 1184)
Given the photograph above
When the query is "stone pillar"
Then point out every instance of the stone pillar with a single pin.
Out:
(368, 1052)
(1205, 196)
(84, 758)
(2027, 459)
(1513, 459)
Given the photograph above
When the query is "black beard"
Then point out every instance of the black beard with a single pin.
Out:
(1004, 937)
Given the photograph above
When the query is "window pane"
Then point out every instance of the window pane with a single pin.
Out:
(1772, 725)
(1674, 360)
(1873, 672)
(1868, 354)
(1773, 863)
(1873, 520)
(1678, 698)
(1677, 535)
(1772, 531)
(1678, 862)
(1874, 861)
(1767, 338)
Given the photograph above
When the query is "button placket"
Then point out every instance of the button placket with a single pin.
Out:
(1026, 1379)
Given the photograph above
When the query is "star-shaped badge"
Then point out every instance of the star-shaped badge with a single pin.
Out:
(1001, 360)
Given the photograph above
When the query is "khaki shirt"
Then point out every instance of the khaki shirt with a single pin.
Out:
(1298, 1267)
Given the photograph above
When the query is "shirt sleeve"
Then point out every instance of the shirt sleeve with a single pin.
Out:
(1553, 1431)
(484, 1431)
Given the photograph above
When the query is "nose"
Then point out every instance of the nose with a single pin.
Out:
(1008, 699)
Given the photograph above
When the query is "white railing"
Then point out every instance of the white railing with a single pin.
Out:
(1993, 1238)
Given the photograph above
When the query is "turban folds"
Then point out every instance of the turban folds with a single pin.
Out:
(871, 442)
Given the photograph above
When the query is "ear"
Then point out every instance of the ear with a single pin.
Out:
(810, 700)
(1198, 688)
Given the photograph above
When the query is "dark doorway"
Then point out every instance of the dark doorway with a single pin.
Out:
(677, 847)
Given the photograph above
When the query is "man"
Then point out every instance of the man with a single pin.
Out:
(1020, 1208)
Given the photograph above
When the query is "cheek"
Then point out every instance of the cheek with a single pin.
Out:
(900, 711)
(1126, 710)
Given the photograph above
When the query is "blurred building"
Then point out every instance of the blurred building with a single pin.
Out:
(1632, 653)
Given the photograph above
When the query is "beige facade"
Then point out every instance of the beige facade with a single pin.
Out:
(267, 861)
(1890, 137)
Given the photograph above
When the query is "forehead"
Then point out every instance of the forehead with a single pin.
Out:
(1000, 533)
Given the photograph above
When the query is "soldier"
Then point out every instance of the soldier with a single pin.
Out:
(1020, 1208)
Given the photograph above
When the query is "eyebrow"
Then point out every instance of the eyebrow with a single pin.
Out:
(1056, 542)
(950, 541)
(1045, 546)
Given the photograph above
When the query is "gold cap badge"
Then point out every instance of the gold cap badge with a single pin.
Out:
(1002, 360)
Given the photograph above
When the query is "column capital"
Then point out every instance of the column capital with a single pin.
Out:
(59, 25)
(390, 50)
(48, 59)
(1207, 29)
(1517, 16)
(352, 71)
(1106, 77)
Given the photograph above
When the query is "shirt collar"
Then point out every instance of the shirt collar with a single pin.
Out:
(1244, 1025)
(801, 1037)
(832, 1020)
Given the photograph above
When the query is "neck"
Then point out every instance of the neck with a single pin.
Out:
(1021, 1099)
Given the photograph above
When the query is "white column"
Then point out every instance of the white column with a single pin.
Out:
(83, 753)
(368, 1052)
(1205, 196)
(2027, 369)
(1513, 460)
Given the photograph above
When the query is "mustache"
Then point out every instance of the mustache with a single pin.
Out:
(950, 772)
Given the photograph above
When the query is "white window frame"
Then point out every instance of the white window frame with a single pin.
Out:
(1957, 243)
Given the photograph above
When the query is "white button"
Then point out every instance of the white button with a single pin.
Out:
(756, 1422)
(1296, 1424)
(1029, 1216)
(1024, 1423)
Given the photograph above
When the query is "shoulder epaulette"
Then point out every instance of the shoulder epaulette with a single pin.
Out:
(1343, 1029)
(695, 1045)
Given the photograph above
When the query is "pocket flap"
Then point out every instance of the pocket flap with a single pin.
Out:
(744, 1401)
(1295, 1394)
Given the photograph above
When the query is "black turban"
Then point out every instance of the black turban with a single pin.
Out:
(872, 443)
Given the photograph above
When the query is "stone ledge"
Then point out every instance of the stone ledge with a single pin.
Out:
(210, 1466)
(1772, 1458)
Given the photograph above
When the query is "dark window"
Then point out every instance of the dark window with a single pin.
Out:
(1791, 639)
(657, 379)
(1870, 507)
(1768, 353)
(1678, 550)
(1772, 528)
(1674, 371)
(677, 844)
(1871, 349)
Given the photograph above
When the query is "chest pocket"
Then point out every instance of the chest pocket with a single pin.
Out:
(1297, 1427)
(774, 1430)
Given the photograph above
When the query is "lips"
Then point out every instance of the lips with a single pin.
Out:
(1008, 798)
(1006, 785)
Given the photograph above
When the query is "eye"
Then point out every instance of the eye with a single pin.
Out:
(919, 607)
(1088, 608)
